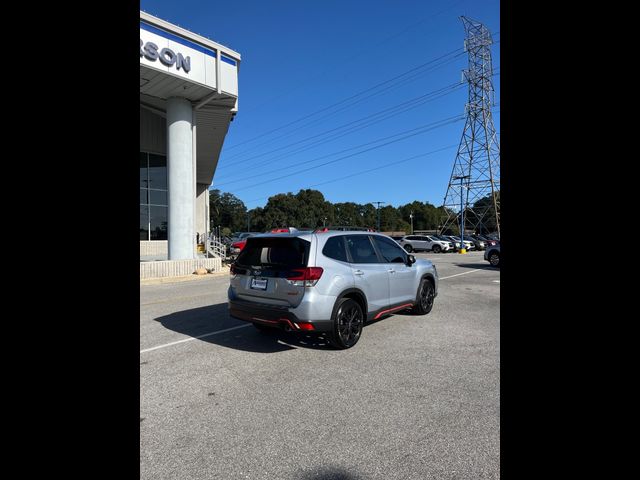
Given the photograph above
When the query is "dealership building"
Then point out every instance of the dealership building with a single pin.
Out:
(188, 97)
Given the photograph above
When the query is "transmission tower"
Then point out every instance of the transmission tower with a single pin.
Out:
(476, 200)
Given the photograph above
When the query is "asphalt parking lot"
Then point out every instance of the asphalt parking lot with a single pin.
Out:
(417, 398)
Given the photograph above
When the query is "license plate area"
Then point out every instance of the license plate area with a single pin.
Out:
(258, 283)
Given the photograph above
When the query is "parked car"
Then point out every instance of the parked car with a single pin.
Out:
(489, 240)
(492, 255)
(478, 242)
(468, 244)
(416, 243)
(330, 283)
(239, 236)
(452, 240)
(237, 246)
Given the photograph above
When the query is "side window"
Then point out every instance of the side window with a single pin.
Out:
(334, 248)
(391, 252)
(361, 249)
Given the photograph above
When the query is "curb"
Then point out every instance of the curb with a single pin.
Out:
(184, 278)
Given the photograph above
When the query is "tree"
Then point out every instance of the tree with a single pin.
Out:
(313, 209)
(347, 213)
(487, 224)
(227, 210)
(281, 211)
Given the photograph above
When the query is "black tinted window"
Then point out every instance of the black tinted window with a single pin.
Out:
(361, 249)
(390, 251)
(275, 252)
(334, 248)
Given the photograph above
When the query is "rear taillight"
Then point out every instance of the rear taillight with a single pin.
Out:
(304, 326)
(305, 277)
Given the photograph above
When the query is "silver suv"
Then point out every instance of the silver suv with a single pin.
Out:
(330, 282)
(415, 243)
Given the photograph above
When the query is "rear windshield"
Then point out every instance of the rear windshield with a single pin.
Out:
(274, 252)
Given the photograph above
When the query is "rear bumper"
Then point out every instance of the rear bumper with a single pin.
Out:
(278, 317)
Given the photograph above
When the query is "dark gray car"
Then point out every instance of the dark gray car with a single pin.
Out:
(492, 255)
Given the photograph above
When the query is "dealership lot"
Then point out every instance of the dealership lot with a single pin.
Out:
(417, 397)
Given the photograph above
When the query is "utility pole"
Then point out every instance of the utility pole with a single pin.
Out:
(478, 156)
(411, 217)
(465, 177)
(248, 222)
(379, 213)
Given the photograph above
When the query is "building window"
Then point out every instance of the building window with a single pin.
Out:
(153, 196)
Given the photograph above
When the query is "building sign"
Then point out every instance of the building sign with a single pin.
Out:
(166, 56)
(177, 56)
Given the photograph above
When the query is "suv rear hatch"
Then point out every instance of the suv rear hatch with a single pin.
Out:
(272, 270)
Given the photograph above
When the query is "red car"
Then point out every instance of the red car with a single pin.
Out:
(237, 247)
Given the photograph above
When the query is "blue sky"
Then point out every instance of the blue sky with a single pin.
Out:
(328, 61)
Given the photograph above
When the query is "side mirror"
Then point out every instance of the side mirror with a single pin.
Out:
(411, 260)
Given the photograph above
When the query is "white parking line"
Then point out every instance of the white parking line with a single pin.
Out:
(463, 273)
(194, 338)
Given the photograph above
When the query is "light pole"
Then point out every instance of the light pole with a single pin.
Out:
(461, 178)
(378, 213)
(248, 223)
(324, 222)
(411, 217)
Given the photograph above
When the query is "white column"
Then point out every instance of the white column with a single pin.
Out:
(180, 176)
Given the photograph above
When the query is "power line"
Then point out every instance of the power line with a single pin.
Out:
(348, 59)
(402, 82)
(331, 114)
(456, 51)
(416, 131)
(337, 133)
(362, 172)
(324, 141)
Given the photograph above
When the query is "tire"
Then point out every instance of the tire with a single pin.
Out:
(424, 297)
(264, 328)
(408, 248)
(348, 321)
(494, 259)
(436, 249)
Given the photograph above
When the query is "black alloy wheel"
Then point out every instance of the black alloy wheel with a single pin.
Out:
(347, 324)
(494, 259)
(408, 248)
(424, 300)
(436, 248)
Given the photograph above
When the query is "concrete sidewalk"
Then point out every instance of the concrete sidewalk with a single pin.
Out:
(184, 278)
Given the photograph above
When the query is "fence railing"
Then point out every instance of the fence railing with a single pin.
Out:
(216, 248)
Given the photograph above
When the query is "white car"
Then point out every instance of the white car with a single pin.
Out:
(413, 243)
(468, 245)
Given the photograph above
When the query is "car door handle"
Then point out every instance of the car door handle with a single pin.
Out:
(392, 270)
(358, 272)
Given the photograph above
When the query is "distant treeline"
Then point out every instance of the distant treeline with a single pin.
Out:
(309, 209)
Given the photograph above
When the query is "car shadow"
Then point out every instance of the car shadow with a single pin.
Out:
(201, 321)
(476, 265)
(330, 473)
